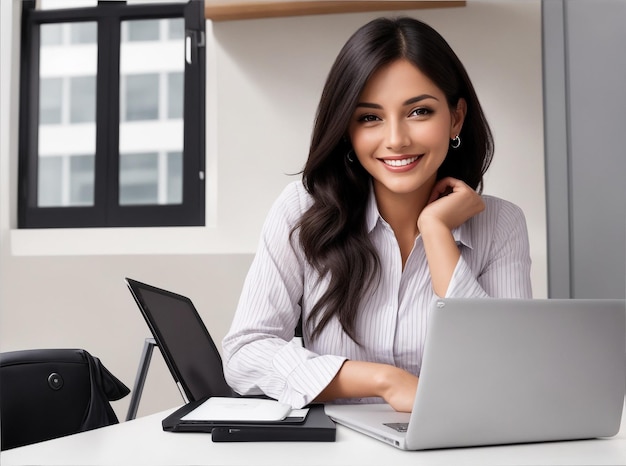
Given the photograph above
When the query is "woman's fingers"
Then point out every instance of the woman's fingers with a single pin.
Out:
(453, 202)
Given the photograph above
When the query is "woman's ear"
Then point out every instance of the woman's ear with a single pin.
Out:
(458, 117)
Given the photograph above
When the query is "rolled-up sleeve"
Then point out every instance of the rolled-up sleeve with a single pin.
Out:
(260, 356)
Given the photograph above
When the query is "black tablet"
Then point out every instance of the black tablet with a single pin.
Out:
(184, 341)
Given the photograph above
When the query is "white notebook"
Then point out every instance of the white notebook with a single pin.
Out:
(239, 410)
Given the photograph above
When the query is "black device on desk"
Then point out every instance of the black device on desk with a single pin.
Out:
(314, 427)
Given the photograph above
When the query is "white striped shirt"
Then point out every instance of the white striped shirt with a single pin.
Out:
(260, 357)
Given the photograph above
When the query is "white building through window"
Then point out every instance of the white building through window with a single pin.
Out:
(67, 112)
(151, 112)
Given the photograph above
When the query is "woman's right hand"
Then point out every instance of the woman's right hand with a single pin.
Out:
(398, 388)
(360, 379)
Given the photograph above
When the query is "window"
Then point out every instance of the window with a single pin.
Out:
(112, 114)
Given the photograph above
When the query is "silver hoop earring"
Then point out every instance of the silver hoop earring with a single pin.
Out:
(349, 155)
(455, 142)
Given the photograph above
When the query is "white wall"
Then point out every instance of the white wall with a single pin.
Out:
(64, 288)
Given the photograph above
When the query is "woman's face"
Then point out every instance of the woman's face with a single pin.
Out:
(401, 129)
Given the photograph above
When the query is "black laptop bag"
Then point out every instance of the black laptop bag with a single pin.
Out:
(49, 393)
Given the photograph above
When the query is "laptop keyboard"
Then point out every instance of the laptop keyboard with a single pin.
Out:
(399, 426)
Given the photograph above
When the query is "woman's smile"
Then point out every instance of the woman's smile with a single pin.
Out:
(401, 164)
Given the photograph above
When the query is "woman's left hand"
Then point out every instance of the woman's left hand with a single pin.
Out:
(452, 203)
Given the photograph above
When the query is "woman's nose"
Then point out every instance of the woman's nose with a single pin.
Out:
(397, 136)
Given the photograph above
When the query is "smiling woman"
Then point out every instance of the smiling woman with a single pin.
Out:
(388, 217)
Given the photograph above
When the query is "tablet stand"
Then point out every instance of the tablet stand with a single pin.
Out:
(140, 379)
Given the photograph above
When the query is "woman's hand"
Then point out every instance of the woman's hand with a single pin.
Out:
(399, 388)
(451, 203)
(361, 379)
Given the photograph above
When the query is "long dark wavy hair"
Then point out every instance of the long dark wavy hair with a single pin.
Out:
(332, 232)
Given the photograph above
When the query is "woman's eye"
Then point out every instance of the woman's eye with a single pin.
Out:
(368, 118)
(421, 112)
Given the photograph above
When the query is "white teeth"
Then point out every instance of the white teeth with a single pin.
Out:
(400, 163)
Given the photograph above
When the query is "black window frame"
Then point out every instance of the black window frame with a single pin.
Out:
(106, 210)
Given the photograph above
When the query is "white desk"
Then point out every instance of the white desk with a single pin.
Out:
(143, 442)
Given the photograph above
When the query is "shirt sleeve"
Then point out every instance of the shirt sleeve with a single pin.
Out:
(260, 356)
(504, 270)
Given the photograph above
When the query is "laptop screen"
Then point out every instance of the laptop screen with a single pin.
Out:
(184, 341)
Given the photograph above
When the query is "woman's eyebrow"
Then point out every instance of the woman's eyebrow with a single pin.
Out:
(420, 98)
(410, 101)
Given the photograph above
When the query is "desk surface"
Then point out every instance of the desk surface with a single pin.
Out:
(143, 442)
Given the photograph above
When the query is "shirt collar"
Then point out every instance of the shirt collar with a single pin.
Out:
(462, 234)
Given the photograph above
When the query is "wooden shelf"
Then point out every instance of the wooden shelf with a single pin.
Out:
(228, 10)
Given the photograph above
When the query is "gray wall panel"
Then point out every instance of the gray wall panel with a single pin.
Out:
(596, 38)
(595, 83)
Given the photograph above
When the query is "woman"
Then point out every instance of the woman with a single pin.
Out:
(386, 219)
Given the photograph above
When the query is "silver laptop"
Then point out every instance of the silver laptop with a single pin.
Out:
(499, 371)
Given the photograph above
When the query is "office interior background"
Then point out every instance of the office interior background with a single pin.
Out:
(549, 74)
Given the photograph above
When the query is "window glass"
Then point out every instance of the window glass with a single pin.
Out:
(82, 99)
(139, 179)
(50, 181)
(81, 182)
(142, 97)
(52, 34)
(151, 103)
(144, 29)
(83, 33)
(50, 101)
(176, 28)
(175, 95)
(174, 178)
(67, 96)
